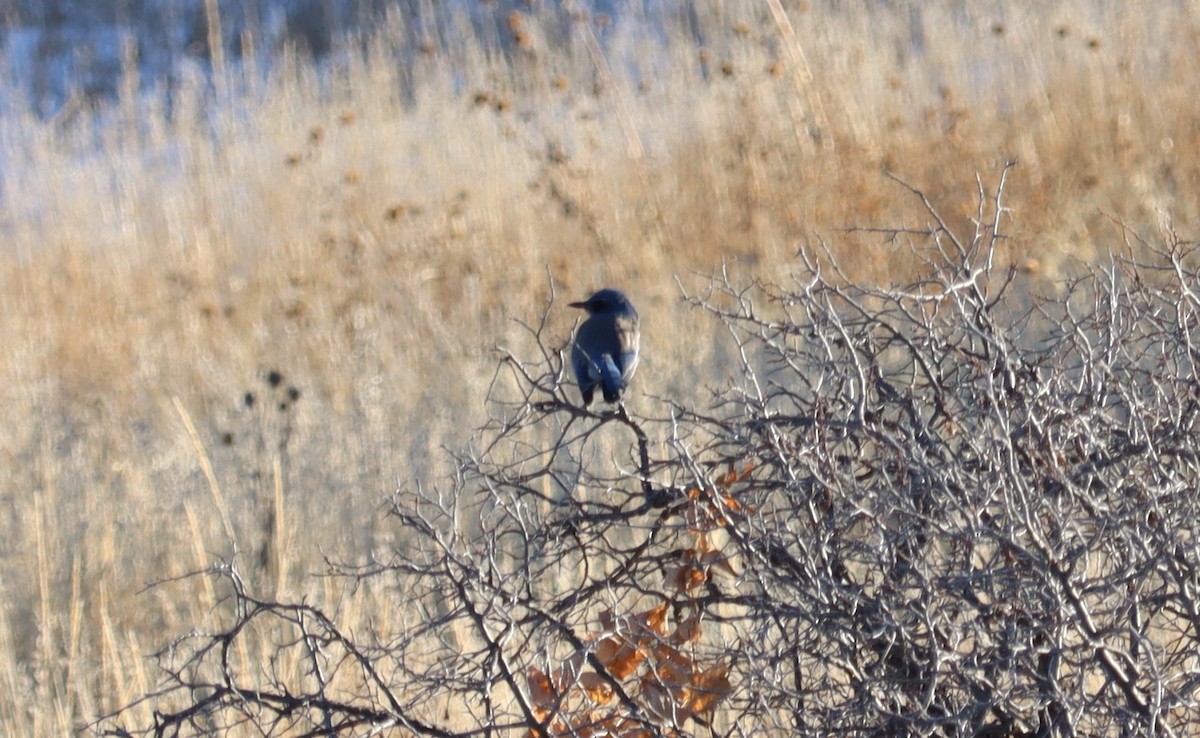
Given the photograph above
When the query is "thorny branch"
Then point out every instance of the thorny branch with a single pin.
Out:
(946, 508)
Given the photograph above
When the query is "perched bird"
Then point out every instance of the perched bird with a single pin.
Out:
(606, 345)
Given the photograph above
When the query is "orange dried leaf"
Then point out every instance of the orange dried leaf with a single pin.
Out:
(689, 630)
(724, 487)
(622, 728)
(733, 476)
(707, 689)
(685, 578)
(660, 704)
(745, 473)
(592, 723)
(619, 655)
(597, 688)
(725, 480)
(655, 619)
(718, 560)
(541, 691)
(672, 667)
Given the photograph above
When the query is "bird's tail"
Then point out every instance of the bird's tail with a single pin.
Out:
(610, 379)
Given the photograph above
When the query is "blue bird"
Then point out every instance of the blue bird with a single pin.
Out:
(606, 345)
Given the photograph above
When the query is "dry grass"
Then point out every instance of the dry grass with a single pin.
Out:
(373, 234)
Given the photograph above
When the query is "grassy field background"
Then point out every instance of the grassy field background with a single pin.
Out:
(280, 298)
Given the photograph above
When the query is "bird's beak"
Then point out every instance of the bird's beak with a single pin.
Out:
(580, 305)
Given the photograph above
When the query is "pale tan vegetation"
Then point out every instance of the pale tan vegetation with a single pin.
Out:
(373, 233)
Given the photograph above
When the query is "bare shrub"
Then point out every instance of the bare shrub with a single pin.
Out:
(952, 508)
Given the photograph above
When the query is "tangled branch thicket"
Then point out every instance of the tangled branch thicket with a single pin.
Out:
(952, 509)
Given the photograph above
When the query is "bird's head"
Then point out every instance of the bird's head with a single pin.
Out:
(607, 300)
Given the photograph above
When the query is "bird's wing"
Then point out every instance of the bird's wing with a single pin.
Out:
(611, 379)
(628, 337)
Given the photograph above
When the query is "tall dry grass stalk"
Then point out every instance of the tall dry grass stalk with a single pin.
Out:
(372, 231)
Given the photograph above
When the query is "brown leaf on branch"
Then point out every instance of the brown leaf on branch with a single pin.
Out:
(597, 688)
(619, 655)
(541, 691)
(707, 689)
